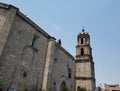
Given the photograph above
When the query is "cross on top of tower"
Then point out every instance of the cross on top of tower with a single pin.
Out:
(83, 29)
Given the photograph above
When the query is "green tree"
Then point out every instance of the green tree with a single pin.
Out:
(64, 87)
(81, 89)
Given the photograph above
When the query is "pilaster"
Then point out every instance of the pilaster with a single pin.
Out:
(6, 26)
(49, 58)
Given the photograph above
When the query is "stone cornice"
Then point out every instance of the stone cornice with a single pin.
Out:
(85, 78)
(6, 6)
(84, 61)
(90, 57)
(84, 45)
(2, 5)
(33, 24)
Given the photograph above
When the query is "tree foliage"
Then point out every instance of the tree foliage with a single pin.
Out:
(81, 89)
(64, 87)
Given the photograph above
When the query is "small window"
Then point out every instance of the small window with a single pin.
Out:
(55, 59)
(69, 72)
(25, 74)
(69, 75)
(78, 88)
(36, 42)
(81, 40)
(82, 51)
(54, 83)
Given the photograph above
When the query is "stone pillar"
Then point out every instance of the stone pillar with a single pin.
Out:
(5, 26)
(49, 59)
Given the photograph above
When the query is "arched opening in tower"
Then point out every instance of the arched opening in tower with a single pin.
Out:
(82, 51)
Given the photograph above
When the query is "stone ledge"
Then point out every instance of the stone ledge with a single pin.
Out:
(2, 5)
(85, 78)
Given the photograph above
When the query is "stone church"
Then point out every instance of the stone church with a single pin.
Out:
(32, 60)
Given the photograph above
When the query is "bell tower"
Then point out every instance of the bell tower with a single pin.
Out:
(85, 75)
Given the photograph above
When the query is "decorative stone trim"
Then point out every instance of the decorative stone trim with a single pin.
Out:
(85, 78)
(84, 61)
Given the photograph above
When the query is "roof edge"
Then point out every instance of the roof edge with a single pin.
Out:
(28, 20)
(64, 50)
(39, 29)
(2, 5)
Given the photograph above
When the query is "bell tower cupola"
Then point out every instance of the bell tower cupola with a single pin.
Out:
(83, 47)
(85, 75)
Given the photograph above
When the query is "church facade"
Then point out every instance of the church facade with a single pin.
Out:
(32, 60)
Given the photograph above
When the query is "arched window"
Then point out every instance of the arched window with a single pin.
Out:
(82, 51)
(81, 40)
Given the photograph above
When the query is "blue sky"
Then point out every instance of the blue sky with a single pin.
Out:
(64, 20)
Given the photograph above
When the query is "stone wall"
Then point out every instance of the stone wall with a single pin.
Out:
(83, 69)
(61, 69)
(30, 59)
(24, 54)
